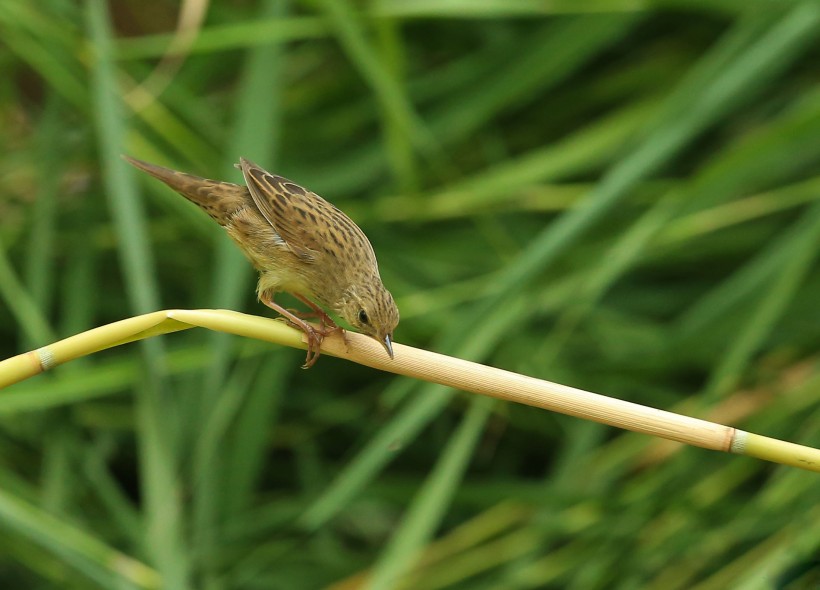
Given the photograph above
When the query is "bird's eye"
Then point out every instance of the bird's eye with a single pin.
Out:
(363, 316)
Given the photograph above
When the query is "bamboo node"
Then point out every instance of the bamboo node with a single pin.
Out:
(739, 441)
(45, 356)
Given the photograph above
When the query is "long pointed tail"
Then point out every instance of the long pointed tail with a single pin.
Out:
(220, 200)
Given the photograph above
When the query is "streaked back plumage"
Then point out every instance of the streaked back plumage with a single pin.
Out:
(299, 242)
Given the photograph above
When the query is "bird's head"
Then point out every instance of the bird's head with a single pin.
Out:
(369, 307)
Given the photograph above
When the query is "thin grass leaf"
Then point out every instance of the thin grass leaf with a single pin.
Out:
(99, 562)
(21, 304)
(426, 512)
(215, 38)
(385, 86)
(164, 522)
(802, 244)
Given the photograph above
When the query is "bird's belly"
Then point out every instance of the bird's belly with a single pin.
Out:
(274, 280)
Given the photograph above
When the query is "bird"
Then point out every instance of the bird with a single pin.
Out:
(301, 244)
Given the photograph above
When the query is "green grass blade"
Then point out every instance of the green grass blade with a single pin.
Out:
(428, 509)
(22, 304)
(102, 564)
(801, 244)
(164, 521)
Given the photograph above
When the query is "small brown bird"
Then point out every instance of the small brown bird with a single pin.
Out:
(300, 244)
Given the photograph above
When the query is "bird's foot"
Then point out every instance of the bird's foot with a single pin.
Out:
(313, 335)
(314, 342)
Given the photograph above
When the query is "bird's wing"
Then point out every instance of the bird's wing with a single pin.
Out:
(310, 226)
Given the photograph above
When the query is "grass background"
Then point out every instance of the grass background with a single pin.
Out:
(615, 195)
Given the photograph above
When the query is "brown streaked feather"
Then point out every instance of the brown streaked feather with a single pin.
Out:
(300, 244)
(221, 200)
(311, 227)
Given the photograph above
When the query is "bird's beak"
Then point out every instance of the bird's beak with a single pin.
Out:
(388, 345)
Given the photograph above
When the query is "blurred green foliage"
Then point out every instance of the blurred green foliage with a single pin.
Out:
(621, 196)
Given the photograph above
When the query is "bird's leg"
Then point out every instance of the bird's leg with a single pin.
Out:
(314, 336)
(317, 313)
(328, 325)
(305, 315)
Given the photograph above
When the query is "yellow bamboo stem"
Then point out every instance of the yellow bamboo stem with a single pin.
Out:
(429, 366)
(776, 451)
(31, 363)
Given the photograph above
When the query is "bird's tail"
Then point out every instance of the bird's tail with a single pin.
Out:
(220, 200)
